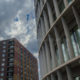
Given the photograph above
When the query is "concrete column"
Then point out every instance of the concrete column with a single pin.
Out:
(44, 1)
(48, 57)
(41, 4)
(53, 52)
(69, 74)
(38, 10)
(59, 75)
(43, 26)
(77, 16)
(40, 7)
(46, 22)
(50, 13)
(41, 32)
(56, 7)
(58, 40)
(41, 73)
(69, 43)
(45, 60)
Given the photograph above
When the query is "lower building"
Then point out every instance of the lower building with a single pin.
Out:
(16, 62)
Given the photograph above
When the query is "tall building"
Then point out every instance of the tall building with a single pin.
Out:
(58, 34)
(16, 62)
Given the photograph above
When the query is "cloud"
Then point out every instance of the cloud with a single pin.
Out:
(13, 22)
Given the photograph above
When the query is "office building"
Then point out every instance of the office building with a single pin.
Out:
(16, 62)
(58, 34)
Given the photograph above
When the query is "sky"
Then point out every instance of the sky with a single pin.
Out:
(17, 20)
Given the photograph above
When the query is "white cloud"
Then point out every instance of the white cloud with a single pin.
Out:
(36, 55)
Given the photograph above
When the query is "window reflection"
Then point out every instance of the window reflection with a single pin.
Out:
(65, 50)
(75, 37)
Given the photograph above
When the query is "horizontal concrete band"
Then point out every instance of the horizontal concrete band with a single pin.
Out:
(61, 66)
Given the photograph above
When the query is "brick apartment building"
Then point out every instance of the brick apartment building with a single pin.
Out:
(16, 62)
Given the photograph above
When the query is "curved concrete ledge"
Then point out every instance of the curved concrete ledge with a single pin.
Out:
(54, 23)
(61, 66)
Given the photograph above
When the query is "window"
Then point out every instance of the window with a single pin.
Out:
(11, 46)
(4, 42)
(1, 78)
(75, 37)
(4, 51)
(10, 78)
(65, 50)
(3, 55)
(2, 69)
(11, 64)
(4, 46)
(11, 51)
(77, 78)
(11, 59)
(2, 64)
(3, 59)
(2, 74)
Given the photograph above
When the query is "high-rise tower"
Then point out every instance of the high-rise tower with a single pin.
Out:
(58, 34)
(16, 62)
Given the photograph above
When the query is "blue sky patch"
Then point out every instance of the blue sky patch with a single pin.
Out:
(16, 19)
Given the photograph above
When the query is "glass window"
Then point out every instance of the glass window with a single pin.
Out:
(4, 46)
(2, 64)
(3, 55)
(2, 69)
(3, 59)
(11, 51)
(75, 37)
(1, 78)
(2, 74)
(65, 51)
(4, 42)
(11, 64)
(77, 78)
(11, 59)
(4, 51)
(10, 78)
(11, 46)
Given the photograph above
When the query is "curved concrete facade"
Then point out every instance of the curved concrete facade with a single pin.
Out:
(58, 34)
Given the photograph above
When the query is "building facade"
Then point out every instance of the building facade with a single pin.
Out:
(58, 34)
(16, 62)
